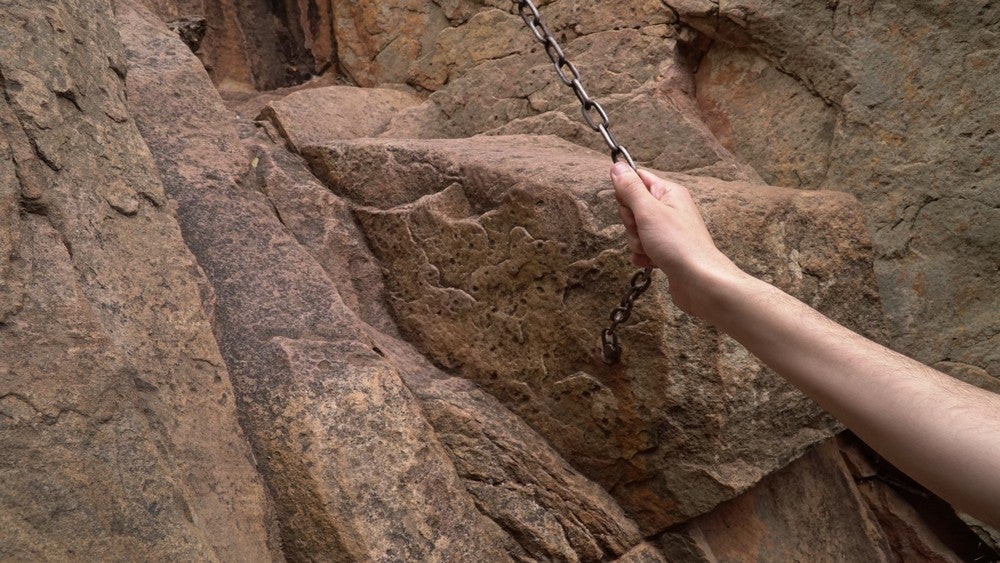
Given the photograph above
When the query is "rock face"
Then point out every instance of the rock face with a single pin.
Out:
(902, 118)
(363, 326)
(118, 430)
(369, 451)
(763, 524)
(498, 267)
(896, 105)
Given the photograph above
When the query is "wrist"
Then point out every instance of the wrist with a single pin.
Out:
(724, 286)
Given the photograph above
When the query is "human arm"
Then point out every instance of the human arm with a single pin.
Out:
(939, 430)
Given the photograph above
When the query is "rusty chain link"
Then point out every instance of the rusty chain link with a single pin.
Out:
(597, 119)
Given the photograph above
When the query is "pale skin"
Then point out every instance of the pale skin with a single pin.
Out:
(941, 431)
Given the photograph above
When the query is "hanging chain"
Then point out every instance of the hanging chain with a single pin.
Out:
(597, 119)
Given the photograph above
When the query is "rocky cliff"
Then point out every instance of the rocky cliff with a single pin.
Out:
(322, 280)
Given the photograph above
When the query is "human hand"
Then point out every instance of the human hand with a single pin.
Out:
(665, 230)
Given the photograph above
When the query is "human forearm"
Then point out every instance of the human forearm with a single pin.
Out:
(941, 431)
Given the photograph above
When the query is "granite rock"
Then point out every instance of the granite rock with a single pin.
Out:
(369, 451)
(118, 427)
(503, 255)
(894, 104)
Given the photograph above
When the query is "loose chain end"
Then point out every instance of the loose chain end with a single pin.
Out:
(611, 350)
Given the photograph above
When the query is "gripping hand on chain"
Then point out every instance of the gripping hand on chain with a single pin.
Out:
(665, 230)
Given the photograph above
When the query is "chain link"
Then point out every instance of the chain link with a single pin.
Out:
(597, 119)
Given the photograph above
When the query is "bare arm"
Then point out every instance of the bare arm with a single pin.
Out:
(942, 432)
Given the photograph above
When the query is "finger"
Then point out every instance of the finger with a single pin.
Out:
(627, 217)
(658, 187)
(629, 187)
(634, 244)
(642, 261)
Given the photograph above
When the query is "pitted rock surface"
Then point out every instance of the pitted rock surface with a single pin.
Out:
(895, 104)
(502, 269)
(118, 430)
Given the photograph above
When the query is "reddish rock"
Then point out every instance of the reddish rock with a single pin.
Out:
(340, 112)
(369, 451)
(810, 510)
(118, 431)
(247, 44)
(895, 105)
(499, 257)
(503, 256)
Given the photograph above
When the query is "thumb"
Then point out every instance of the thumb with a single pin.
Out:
(630, 190)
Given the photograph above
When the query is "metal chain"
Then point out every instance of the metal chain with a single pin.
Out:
(597, 119)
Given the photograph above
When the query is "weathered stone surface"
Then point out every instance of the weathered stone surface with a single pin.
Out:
(335, 112)
(635, 68)
(918, 525)
(511, 472)
(273, 305)
(810, 510)
(248, 44)
(369, 451)
(897, 105)
(513, 475)
(118, 433)
(791, 145)
(379, 43)
(247, 105)
(500, 257)
(839, 502)
(503, 256)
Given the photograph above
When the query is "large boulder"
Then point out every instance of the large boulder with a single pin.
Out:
(635, 68)
(810, 510)
(248, 44)
(503, 257)
(410, 339)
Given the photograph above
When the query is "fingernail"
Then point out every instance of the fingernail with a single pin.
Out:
(619, 169)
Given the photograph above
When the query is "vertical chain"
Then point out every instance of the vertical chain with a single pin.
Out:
(597, 119)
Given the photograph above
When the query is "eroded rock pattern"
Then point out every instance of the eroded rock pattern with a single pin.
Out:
(892, 104)
(356, 468)
(896, 104)
(403, 319)
(118, 430)
(499, 268)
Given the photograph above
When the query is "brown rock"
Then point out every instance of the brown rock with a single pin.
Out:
(247, 44)
(918, 525)
(380, 42)
(356, 469)
(634, 70)
(513, 475)
(499, 256)
(82, 473)
(791, 146)
(247, 105)
(896, 106)
(119, 433)
(810, 510)
(642, 553)
(338, 112)
(503, 256)
(277, 333)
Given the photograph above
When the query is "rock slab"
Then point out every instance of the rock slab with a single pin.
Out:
(503, 257)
